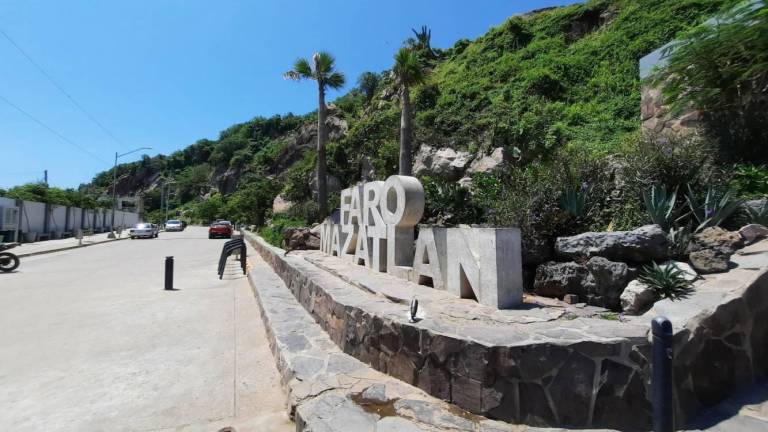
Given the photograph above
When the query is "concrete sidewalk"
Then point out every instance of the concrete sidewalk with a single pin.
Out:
(48, 246)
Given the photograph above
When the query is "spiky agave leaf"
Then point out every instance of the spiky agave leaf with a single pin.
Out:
(668, 281)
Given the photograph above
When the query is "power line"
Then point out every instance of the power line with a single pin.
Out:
(53, 131)
(64, 92)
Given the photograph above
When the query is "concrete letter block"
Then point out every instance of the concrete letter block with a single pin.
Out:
(430, 259)
(486, 264)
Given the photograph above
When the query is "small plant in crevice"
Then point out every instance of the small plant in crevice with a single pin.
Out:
(660, 206)
(679, 239)
(714, 208)
(667, 281)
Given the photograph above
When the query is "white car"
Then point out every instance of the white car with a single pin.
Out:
(145, 230)
(174, 225)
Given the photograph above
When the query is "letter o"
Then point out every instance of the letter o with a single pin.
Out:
(402, 201)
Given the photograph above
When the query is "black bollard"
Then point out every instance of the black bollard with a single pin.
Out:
(661, 379)
(169, 273)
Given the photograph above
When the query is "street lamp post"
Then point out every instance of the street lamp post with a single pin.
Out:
(114, 188)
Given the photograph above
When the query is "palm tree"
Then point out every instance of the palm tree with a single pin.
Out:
(322, 70)
(408, 72)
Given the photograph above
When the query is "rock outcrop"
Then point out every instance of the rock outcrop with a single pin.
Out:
(608, 281)
(554, 279)
(709, 261)
(637, 298)
(442, 162)
(645, 244)
(280, 204)
(300, 239)
(753, 232)
(487, 163)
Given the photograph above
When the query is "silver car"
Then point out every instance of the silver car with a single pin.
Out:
(144, 230)
(174, 225)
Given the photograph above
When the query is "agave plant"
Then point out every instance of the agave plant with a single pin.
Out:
(574, 200)
(679, 239)
(758, 214)
(714, 209)
(660, 206)
(667, 281)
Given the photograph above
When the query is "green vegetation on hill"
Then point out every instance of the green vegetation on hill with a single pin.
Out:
(559, 90)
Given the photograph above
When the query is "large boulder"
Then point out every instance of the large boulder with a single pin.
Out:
(442, 162)
(487, 163)
(753, 232)
(637, 298)
(300, 239)
(555, 279)
(722, 241)
(610, 278)
(709, 261)
(645, 244)
(280, 204)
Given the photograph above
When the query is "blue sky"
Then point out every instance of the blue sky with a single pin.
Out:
(165, 73)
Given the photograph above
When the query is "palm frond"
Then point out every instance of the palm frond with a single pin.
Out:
(407, 67)
(301, 70)
(324, 63)
(335, 80)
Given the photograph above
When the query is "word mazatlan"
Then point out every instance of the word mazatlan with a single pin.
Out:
(375, 228)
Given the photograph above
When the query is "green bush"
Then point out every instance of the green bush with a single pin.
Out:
(273, 233)
(750, 181)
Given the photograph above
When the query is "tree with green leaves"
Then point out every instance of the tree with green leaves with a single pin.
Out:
(367, 84)
(720, 67)
(323, 71)
(408, 72)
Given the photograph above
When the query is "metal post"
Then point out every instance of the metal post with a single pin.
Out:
(661, 379)
(114, 198)
(168, 273)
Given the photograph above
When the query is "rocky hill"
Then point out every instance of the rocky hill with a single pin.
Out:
(492, 112)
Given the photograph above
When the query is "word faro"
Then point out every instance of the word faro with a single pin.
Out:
(375, 228)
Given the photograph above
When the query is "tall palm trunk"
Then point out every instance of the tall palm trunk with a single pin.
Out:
(406, 131)
(322, 137)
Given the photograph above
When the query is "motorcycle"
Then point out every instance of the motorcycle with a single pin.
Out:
(8, 261)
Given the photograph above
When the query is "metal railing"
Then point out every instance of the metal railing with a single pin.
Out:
(230, 247)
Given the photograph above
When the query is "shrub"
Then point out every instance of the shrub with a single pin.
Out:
(667, 281)
(447, 203)
(750, 181)
(273, 233)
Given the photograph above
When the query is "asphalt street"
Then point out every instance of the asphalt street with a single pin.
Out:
(90, 341)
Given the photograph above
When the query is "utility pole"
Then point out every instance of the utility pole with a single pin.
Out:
(45, 177)
(114, 188)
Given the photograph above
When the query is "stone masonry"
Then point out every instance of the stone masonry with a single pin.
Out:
(537, 365)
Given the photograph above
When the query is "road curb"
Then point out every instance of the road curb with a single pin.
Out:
(67, 248)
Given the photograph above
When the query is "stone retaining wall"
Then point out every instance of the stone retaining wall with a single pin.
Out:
(580, 372)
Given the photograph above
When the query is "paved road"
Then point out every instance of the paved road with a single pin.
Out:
(89, 341)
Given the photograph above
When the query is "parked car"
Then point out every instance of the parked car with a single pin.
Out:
(220, 229)
(174, 225)
(145, 230)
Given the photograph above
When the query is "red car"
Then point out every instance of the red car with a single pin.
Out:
(221, 229)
